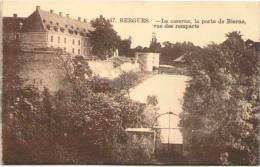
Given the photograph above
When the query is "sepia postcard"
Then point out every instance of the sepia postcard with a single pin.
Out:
(130, 83)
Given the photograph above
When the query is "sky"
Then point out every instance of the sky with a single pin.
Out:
(141, 33)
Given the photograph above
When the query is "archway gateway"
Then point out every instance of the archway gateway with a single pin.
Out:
(155, 129)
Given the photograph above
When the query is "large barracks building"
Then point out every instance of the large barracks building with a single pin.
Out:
(46, 29)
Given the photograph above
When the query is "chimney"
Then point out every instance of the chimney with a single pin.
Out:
(68, 15)
(15, 15)
(60, 13)
(51, 11)
(20, 25)
(38, 7)
(85, 20)
(79, 18)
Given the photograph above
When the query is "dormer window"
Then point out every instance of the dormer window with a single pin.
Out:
(66, 25)
(71, 27)
(62, 29)
(84, 30)
(76, 32)
(48, 27)
(43, 21)
(57, 24)
(77, 28)
(55, 28)
(70, 31)
(50, 22)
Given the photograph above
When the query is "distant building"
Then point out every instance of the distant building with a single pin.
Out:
(154, 45)
(12, 27)
(181, 60)
(148, 61)
(43, 29)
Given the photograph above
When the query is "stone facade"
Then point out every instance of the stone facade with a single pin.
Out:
(12, 28)
(77, 45)
(113, 67)
(32, 40)
(148, 60)
(46, 30)
(43, 69)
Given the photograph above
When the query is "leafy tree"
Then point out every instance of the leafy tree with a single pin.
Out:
(171, 51)
(125, 47)
(103, 39)
(138, 48)
(152, 100)
(219, 104)
(128, 80)
(81, 68)
(83, 124)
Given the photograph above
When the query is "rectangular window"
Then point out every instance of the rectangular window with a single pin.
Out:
(64, 48)
(78, 51)
(17, 37)
(58, 39)
(72, 50)
(51, 38)
(79, 42)
(73, 41)
(64, 40)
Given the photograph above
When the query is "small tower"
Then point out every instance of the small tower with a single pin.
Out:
(154, 39)
(154, 45)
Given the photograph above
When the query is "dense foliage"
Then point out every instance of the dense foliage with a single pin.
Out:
(79, 125)
(171, 51)
(220, 119)
(124, 48)
(103, 39)
(123, 83)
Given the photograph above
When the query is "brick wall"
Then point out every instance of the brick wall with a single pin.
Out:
(11, 36)
(106, 69)
(31, 40)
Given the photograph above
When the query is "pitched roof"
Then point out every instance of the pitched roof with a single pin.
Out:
(12, 24)
(121, 59)
(179, 59)
(33, 23)
(55, 22)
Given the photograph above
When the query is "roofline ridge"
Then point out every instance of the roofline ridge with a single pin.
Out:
(71, 18)
(62, 20)
(41, 19)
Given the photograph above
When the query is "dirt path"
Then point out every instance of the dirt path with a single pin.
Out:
(169, 90)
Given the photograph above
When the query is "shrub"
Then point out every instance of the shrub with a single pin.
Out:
(219, 104)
